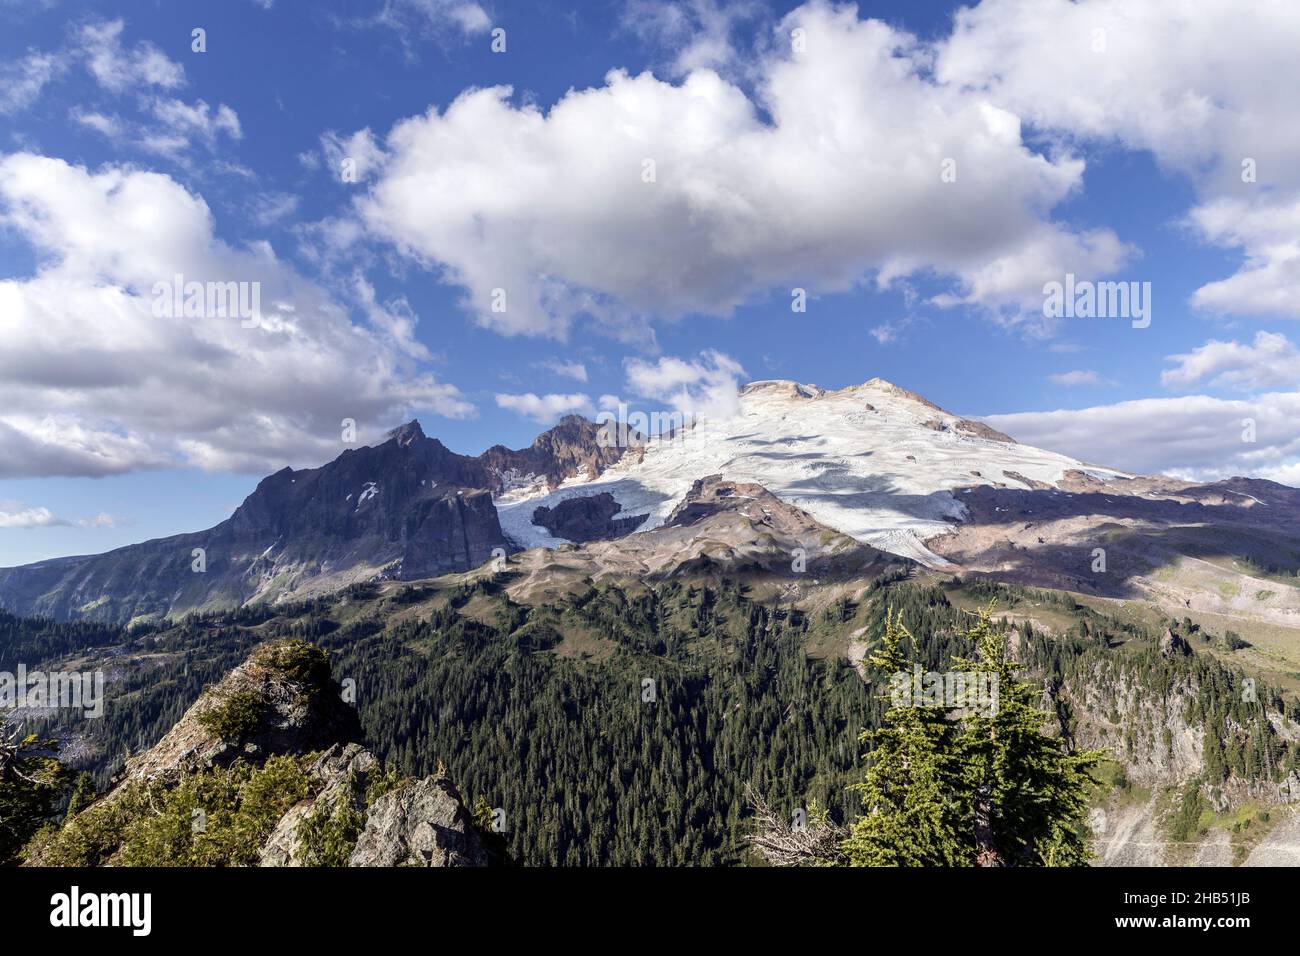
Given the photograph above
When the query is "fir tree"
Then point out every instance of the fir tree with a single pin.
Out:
(980, 784)
(914, 796)
(1030, 791)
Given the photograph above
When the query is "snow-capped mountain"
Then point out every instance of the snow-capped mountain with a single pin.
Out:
(872, 461)
(893, 474)
(897, 473)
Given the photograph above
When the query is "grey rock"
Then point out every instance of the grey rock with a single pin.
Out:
(421, 823)
(340, 771)
(300, 712)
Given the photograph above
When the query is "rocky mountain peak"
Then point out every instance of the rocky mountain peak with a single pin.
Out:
(406, 434)
(571, 449)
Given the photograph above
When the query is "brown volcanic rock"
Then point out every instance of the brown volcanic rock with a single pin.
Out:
(714, 496)
(719, 527)
(980, 430)
(573, 447)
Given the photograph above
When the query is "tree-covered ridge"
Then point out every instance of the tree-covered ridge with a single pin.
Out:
(627, 724)
(30, 640)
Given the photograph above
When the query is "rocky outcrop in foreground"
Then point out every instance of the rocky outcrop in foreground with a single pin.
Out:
(266, 768)
(281, 700)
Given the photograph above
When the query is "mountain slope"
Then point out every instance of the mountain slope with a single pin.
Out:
(719, 529)
(896, 472)
(408, 505)
(873, 462)
(406, 508)
(750, 685)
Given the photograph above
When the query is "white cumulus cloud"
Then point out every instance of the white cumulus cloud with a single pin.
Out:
(830, 175)
(1205, 87)
(17, 516)
(1196, 437)
(707, 385)
(1273, 361)
(545, 409)
(118, 67)
(92, 382)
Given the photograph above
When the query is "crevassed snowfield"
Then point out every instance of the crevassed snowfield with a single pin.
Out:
(842, 456)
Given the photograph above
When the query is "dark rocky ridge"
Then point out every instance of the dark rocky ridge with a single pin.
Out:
(406, 508)
(587, 518)
(571, 448)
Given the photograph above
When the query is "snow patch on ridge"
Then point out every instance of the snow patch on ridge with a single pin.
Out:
(369, 491)
(517, 487)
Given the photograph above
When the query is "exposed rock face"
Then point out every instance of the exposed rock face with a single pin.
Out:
(571, 449)
(421, 823)
(980, 430)
(1159, 744)
(406, 508)
(713, 495)
(340, 772)
(587, 518)
(1027, 482)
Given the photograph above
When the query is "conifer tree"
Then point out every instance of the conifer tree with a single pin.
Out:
(914, 795)
(1030, 792)
(32, 781)
(970, 785)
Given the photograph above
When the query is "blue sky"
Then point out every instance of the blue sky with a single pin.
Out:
(668, 294)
